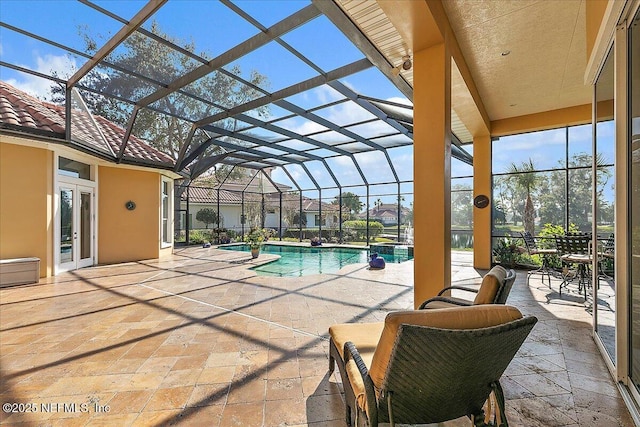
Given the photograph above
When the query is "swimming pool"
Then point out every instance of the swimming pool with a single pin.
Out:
(296, 261)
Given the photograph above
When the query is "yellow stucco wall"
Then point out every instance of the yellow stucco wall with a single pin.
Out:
(126, 235)
(26, 186)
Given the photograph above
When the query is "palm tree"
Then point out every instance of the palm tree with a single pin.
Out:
(378, 203)
(526, 179)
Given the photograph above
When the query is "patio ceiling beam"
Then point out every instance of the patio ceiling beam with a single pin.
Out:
(271, 181)
(127, 133)
(335, 180)
(289, 23)
(278, 40)
(199, 150)
(370, 107)
(332, 11)
(393, 169)
(285, 132)
(226, 177)
(31, 72)
(291, 134)
(295, 89)
(249, 163)
(143, 14)
(261, 143)
(308, 172)
(180, 163)
(250, 159)
(204, 164)
(293, 181)
(326, 123)
(251, 180)
(87, 56)
(144, 31)
(239, 148)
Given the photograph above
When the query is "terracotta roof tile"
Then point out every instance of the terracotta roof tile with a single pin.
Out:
(19, 109)
(210, 195)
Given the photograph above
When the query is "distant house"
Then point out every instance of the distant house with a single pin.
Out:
(386, 214)
(231, 207)
(78, 199)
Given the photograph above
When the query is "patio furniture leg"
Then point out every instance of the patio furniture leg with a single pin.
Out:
(545, 269)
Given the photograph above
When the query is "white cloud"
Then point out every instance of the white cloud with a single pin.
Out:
(63, 65)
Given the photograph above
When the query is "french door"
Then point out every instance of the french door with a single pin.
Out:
(76, 227)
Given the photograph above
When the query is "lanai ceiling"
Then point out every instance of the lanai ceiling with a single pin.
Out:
(545, 41)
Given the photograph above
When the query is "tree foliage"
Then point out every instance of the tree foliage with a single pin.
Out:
(548, 193)
(208, 216)
(461, 206)
(145, 56)
(351, 204)
(525, 178)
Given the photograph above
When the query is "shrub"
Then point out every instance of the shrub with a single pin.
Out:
(359, 227)
(199, 236)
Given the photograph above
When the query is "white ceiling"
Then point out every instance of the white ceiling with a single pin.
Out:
(544, 70)
(547, 41)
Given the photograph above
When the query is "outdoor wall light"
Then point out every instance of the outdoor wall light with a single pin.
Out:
(406, 65)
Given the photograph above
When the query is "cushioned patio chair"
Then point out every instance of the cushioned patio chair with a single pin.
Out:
(430, 366)
(495, 288)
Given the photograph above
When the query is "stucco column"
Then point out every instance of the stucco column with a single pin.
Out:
(482, 216)
(432, 171)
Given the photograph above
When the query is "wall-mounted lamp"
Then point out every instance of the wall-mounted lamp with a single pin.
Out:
(405, 66)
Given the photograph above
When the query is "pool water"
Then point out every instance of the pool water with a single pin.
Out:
(296, 261)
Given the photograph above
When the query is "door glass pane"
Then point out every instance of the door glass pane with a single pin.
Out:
(66, 225)
(85, 225)
(605, 292)
(634, 183)
(165, 212)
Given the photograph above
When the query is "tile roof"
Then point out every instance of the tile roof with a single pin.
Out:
(210, 196)
(22, 112)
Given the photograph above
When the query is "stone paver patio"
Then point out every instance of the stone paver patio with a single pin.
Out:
(198, 339)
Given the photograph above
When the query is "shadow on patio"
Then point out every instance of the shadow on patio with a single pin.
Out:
(198, 339)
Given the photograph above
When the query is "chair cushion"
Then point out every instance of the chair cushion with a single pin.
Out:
(471, 317)
(364, 336)
(490, 286)
(357, 385)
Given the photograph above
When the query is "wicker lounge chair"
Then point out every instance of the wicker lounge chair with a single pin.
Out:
(495, 288)
(431, 366)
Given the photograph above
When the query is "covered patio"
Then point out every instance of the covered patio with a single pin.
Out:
(199, 339)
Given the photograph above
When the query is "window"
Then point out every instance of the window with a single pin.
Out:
(317, 220)
(166, 223)
(73, 168)
(548, 174)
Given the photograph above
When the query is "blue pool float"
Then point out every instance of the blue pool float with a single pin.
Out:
(376, 261)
